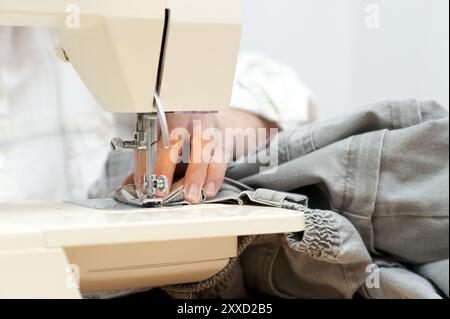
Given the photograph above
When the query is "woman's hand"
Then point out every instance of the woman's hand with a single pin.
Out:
(206, 143)
(196, 140)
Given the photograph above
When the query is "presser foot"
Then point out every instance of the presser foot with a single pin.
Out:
(156, 184)
(142, 202)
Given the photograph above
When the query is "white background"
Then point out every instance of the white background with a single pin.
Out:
(347, 64)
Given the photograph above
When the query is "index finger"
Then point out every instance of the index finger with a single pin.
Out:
(166, 162)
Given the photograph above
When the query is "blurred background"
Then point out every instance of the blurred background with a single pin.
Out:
(354, 52)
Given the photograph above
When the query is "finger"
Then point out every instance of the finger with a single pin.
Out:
(166, 162)
(198, 168)
(217, 169)
(194, 181)
(214, 178)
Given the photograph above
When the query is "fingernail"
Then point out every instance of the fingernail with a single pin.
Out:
(210, 189)
(193, 192)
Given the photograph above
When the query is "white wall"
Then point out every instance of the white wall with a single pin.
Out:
(344, 62)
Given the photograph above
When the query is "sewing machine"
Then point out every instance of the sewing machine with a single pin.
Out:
(146, 57)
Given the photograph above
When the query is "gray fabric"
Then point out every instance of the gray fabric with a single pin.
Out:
(437, 273)
(329, 239)
(329, 262)
(331, 254)
(377, 182)
(398, 282)
(231, 191)
(385, 168)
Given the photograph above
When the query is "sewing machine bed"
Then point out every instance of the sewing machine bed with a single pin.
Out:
(59, 249)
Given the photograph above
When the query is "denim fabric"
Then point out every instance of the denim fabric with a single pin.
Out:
(383, 168)
(377, 182)
(398, 282)
(437, 273)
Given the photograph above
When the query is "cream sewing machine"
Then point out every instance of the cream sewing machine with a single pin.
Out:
(146, 57)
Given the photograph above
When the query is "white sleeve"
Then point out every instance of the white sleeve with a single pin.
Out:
(271, 90)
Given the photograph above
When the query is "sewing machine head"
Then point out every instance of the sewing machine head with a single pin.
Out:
(146, 57)
(126, 50)
(140, 56)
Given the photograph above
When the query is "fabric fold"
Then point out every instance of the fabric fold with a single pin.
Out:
(373, 186)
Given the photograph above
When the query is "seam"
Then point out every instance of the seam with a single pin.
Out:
(391, 112)
(364, 293)
(347, 170)
(271, 265)
(347, 281)
(311, 137)
(419, 105)
(378, 178)
(377, 186)
(286, 146)
(411, 215)
(348, 213)
(268, 260)
(339, 238)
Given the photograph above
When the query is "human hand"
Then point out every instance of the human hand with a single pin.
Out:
(206, 143)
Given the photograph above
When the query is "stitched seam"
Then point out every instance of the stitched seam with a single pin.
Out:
(411, 215)
(338, 254)
(364, 292)
(419, 104)
(347, 281)
(377, 186)
(347, 177)
(286, 146)
(311, 137)
(261, 275)
(378, 178)
(391, 111)
(271, 265)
